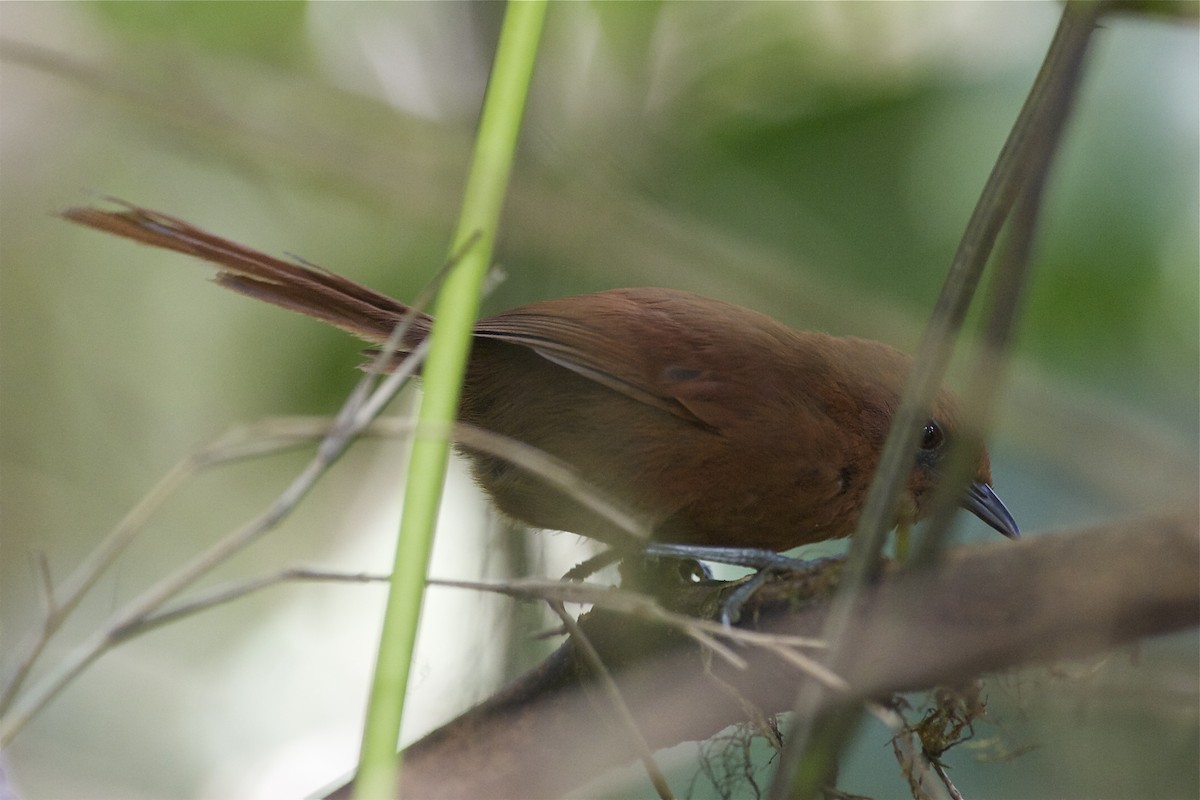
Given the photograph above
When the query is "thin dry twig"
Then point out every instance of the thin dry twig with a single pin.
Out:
(244, 442)
(622, 708)
(45, 582)
(354, 415)
(951, 789)
(68, 595)
(126, 621)
(704, 632)
(221, 595)
(923, 782)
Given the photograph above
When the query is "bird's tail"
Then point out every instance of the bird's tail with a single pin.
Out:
(305, 288)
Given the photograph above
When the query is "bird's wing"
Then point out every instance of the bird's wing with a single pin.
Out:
(656, 346)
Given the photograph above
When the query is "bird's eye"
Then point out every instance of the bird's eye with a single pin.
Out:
(931, 437)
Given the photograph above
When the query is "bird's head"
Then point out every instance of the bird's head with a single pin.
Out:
(931, 461)
(870, 380)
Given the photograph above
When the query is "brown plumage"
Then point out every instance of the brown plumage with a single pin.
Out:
(717, 424)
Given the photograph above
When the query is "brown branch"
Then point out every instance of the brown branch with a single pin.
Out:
(987, 608)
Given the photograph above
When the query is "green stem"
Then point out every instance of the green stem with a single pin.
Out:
(455, 313)
(807, 753)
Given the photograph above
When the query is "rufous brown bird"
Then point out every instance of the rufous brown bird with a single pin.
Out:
(715, 423)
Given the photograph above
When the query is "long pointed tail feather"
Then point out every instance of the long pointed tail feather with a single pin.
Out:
(309, 290)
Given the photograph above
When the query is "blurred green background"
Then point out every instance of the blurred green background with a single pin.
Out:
(816, 161)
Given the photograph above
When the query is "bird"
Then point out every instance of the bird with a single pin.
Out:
(717, 425)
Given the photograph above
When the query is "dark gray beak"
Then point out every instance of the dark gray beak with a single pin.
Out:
(981, 501)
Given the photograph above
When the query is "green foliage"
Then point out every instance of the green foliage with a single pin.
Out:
(271, 32)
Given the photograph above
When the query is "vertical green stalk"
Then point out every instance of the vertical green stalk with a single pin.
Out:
(815, 739)
(455, 312)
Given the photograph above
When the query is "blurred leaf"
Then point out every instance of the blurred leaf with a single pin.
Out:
(271, 32)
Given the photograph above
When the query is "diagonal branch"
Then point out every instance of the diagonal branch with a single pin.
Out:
(985, 609)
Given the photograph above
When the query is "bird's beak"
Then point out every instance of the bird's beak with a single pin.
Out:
(981, 501)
